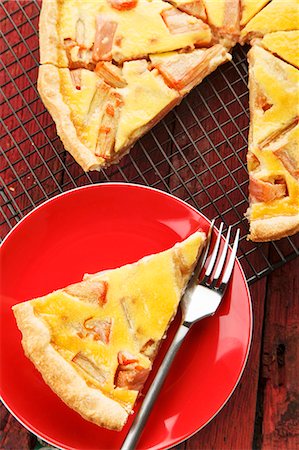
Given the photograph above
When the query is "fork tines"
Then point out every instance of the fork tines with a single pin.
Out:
(221, 277)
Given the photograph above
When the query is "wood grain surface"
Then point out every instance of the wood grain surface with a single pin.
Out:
(279, 387)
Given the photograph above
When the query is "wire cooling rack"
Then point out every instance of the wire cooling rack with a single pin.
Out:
(197, 153)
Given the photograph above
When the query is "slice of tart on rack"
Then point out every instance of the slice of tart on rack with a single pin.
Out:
(275, 16)
(273, 88)
(111, 70)
(83, 33)
(273, 153)
(283, 44)
(94, 342)
(249, 8)
(274, 188)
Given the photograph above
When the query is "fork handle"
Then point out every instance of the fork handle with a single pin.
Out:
(147, 404)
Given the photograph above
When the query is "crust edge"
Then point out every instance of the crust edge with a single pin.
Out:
(273, 228)
(48, 37)
(49, 89)
(90, 403)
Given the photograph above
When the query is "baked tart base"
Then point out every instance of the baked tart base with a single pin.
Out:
(94, 342)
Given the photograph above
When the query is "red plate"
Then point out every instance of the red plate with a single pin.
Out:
(99, 227)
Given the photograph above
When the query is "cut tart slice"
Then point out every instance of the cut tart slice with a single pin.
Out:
(98, 122)
(96, 78)
(249, 8)
(224, 18)
(284, 44)
(73, 32)
(274, 93)
(100, 114)
(184, 71)
(276, 16)
(274, 188)
(94, 342)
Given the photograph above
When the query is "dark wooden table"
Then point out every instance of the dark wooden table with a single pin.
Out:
(197, 154)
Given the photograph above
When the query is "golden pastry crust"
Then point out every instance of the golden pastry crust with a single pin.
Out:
(274, 189)
(273, 151)
(91, 341)
(90, 403)
(50, 46)
(273, 228)
(49, 89)
(273, 88)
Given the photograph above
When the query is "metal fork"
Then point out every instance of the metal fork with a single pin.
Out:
(201, 299)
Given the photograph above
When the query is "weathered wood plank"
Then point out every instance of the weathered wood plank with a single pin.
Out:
(280, 361)
(13, 436)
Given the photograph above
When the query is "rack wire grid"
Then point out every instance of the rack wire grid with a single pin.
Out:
(196, 153)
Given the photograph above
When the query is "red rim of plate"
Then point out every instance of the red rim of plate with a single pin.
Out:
(71, 191)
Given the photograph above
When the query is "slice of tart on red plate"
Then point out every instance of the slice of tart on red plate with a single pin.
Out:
(96, 78)
(273, 154)
(94, 342)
